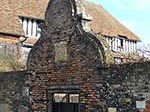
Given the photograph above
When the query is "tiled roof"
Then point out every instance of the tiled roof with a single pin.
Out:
(10, 10)
(102, 21)
(8, 20)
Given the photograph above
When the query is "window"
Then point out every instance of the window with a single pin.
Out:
(65, 102)
(65, 97)
(31, 26)
(121, 42)
(60, 97)
(122, 39)
(74, 98)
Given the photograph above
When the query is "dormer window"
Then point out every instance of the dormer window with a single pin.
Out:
(31, 26)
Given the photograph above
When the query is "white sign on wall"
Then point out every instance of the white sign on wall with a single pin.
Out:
(141, 104)
(111, 109)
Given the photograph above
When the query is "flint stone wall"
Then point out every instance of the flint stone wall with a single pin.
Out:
(11, 90)
(135, 75)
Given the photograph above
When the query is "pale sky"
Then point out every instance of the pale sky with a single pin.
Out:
(134, 14)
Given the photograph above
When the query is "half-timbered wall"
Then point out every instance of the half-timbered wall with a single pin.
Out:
(31, 26)
(118, 44)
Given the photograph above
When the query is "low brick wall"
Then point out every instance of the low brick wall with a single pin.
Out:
(135, 76)
(83, 77)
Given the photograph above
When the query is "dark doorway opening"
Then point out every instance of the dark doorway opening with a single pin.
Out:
(64, 99)
(65, 107)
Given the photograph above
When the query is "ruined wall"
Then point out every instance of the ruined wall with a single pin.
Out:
(63, 29)
(95, 85)
(134, 76)
(66, 56)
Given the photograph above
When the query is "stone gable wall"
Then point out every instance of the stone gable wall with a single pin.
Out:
(80, 63)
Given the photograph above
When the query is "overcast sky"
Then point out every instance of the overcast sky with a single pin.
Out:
(135, 14)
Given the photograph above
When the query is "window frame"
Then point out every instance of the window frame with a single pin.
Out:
(67, 96)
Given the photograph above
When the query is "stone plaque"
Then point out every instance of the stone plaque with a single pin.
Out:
(60, 51)
(111, 109)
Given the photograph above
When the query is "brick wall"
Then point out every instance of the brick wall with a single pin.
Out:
(135, 76)
(77, 65)
(88, 79)
(85, 77)
(80, 64)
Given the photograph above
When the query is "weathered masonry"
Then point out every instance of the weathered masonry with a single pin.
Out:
(65, 63)
(65, 71)
(15, 93)
(21, 23)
